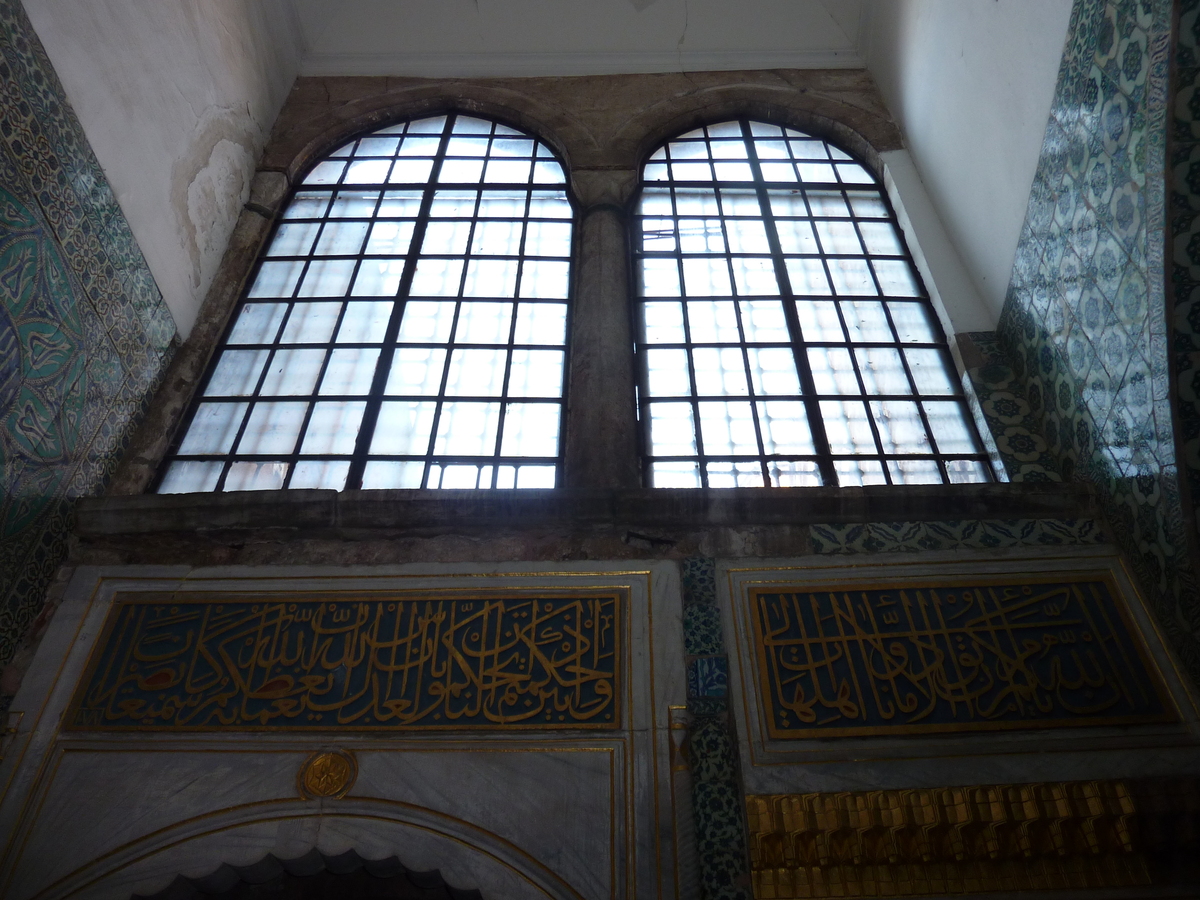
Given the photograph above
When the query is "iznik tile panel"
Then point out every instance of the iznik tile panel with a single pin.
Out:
(399, 662)
(84, 332)
(952, 656)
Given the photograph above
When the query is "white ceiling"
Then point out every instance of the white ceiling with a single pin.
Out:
(574, 37)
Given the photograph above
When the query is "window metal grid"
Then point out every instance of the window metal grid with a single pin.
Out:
(405, 327)
(784, 336)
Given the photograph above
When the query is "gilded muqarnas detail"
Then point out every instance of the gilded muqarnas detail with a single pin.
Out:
(317, 663)
(950, 657)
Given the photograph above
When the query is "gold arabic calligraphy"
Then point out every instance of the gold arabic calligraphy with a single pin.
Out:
(948, 658)
(546, 662)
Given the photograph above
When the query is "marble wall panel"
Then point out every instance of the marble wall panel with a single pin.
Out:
(1084, 324)
(84, 332)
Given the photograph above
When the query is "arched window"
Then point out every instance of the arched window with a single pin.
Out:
(784, 336)
(405, 327)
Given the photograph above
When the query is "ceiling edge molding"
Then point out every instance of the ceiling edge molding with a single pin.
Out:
(501, 65)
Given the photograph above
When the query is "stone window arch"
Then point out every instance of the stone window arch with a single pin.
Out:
(784, 337)
(404, 327)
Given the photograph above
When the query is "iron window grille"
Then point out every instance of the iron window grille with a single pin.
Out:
(784, 336)
(404, 328)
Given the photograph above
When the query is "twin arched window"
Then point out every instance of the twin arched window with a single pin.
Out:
(406, 326)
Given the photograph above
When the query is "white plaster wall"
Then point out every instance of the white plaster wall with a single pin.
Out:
(970, 83)
(177, 98)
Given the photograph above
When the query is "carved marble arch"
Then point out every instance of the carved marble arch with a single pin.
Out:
(784, 337)
(404, 327)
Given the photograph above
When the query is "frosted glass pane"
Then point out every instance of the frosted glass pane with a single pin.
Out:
(675, 475)
(378, 278)
(377, 146)
(660, 278)
(368, 171)
(416, 370)
(462, 171)
(827, 203)
(320, 474)
(815, 172)
(483, 323)
(502, 204)
(390, 239)
(326, 173)
(967, 471)
(384, 474)
(294, 239)
(796, 236)
(333, 427)
(272, 428)
(491, 278)
(785, 473)
(896, 278)
(931, 371)
(763, 321)
(506, 477)
(213, 428)
(868, 204)
(851, 277)
(706, 277)
(237, 373)
(691, 201)
(720, 371)
(501, 238)
(913, 322)
(914, 471)
(838, 237)
(426, 322)
(292, 372)
(739, 202)
(466, 146)
(531, 429)
(664, 323)
(866, 321)
(509, 171)
(672, 432)
(327, 278)
(511, 147)
(454, 204)
(534, 477)
(701, 236)
(668, 373)
(778, 171)
(342, 238)
(784, 425)
(276, 279)
(437, 278)
(467, 428)
(311, 323)
(186, 476)
(787, 203)
(881, 238)
(807, 277)
(476, 373)
(948, 421)
(545, 278)
(832, 371)
(900, 427)
(691, 171)
(656, 202)
(734, 474)
(258, 323)
(461, 477)
(712, 321)
(733, 171)
(773, 370)
(307, 205)
(541, 323)
(727, 427)
(549, 205)
(545, 172)
(350, 371)
(819, 321)
(735, 149)
(847, 427)
(536, 373)
(403, 427)
(859, 472)
(688, 151)
(256, 476)
(354, 204)
(803, 149)
(365, 321)
(754, 276)
(446, 238)
(411, 171)
(747, 236)
(546, 239)
(399, 204)
(882, 371)
(852, 173)
(656, 172)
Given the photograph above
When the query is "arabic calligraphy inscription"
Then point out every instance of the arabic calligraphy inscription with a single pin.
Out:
(950, 657)
(429, 662)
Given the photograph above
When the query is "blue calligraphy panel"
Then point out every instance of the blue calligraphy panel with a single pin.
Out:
(429, 662)
(958, 656)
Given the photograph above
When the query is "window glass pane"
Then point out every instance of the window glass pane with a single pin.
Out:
(798, 473)
(672, 431)
(931, 371)
(664, 323)
(390, 238)
(321, 474)
(311, 323)
(914, 323)
(427, 321)
(545, 278)
(294, 239)
(491, 278)
(383, 474)
(378, 278)
(720, 371)
(712, 321)
(703, 277)
(350, 371)
(859, 472)
(272, 428)
(541, 323)
(416, 370)
(785, 428)
(258, 323)
(536, 373)
(866, 321)
(914, 471)
(763, 321)
(342, 238)
(483, 323)
(353, 204)
(832, 370)
(186, 476)
(256, 476)
(727, 427)
(333, 427)
(501, 238)
(734, 474)
(847, 427)
(668, 373)
(476, 373)
(403, 428)
(882, 371)
(675, 475)
(773, 371)
(900, 426)
(530, 429)
(276, 279)
(293, 372)
(467, 428)
(950, 426)
(213, 428)
(365, 321)
(237, 373)
(819, 320)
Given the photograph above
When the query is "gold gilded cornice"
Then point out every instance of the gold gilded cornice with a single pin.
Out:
(1021, 837)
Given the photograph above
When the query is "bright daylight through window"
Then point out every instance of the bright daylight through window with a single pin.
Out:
(405, 328)
(785, 338)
